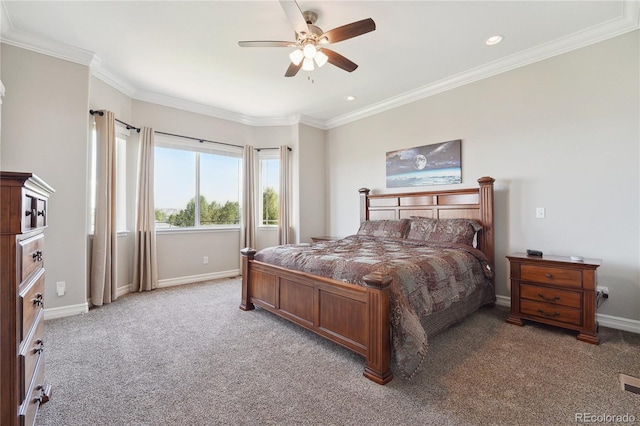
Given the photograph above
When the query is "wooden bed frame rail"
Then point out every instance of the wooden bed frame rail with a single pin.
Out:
(357, 317)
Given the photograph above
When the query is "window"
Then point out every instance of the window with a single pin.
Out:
(121, 178)
(269, 187)
(197, 185)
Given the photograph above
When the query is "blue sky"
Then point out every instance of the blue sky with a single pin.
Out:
(175, 177)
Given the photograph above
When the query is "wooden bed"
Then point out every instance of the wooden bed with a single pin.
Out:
(354, 316)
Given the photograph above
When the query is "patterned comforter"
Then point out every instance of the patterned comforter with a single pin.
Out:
(433, 286)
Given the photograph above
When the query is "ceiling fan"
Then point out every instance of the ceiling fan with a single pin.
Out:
(311, 40)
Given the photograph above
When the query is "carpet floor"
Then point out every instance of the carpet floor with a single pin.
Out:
(187, 355)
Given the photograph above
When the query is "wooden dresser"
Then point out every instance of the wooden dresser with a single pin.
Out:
(555, 290)
(23, 217)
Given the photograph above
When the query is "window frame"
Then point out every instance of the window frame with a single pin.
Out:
(266, 155)
(122, 137)
(172, 142)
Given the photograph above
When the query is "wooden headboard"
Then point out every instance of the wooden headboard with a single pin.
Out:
(471, 203)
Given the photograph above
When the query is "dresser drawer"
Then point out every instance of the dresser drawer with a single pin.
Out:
(30, 354)
(572, 299)
(552, 312)
(35, 394)
(30, 255)
(32, 302)
(34, 211)
(554, 276)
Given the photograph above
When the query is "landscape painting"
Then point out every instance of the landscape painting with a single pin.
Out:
(436, 164)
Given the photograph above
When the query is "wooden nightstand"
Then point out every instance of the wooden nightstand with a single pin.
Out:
(555, 290)
(323, 238)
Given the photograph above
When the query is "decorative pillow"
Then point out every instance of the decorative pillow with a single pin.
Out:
(391, 228)
(443, 230)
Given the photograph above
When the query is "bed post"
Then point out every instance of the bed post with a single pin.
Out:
(378, 357)
(364, 211)
(486, 243)
(247, 255)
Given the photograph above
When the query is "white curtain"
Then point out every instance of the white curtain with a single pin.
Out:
(249, 216)
(284, 223)
(104, 268)
(145, 264)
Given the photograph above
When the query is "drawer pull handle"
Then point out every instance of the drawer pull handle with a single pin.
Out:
(548, 275)
(45, 392)
(37, 256)
(41, 213)
(28, 212)
(549, 299)
(38, 300)
(548, 314)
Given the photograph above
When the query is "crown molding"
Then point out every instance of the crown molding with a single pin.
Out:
(45, 46)
(169, 101)
(628, 21)
(313, 122)
(112, 79)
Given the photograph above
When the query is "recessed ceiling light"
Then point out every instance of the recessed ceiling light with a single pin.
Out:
(350, 98)
(493, 40)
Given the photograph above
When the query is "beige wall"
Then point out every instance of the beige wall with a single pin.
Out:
(561, 134)
(44, 131)
(180, 254)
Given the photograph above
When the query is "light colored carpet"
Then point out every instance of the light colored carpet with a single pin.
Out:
(188, 356)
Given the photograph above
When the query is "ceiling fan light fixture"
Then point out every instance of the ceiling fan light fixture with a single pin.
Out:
(296, 56)
(309, 50)
(307, 64)
(321, 58)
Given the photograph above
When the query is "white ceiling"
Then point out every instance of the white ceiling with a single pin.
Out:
(185, 54)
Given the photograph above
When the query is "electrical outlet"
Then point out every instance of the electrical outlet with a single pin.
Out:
(61, 287)
(603, 290)
(205, 260)
(540, 213)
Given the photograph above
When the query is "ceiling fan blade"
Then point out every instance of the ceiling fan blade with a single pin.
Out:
(293, 69)
(339, 61)
(266, 43)
(294, 15)
(351, 30)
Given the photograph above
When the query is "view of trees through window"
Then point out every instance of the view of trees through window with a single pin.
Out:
(213, 213)
(196, 188)
(201, 188)
(269, 186)
(269, 206)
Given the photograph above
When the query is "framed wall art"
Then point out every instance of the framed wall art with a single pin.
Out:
(436, 164)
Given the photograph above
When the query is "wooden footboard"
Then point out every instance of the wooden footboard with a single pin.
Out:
(356, 317)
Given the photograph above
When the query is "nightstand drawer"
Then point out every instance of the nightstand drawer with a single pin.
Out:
(555, 276)
(551, 312)
(551, 295)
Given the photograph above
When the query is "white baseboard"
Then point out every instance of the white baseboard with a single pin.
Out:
(66, 311)
(618, 323)
(169, 282)
(503, 301)
(83, 308)
(604, 320)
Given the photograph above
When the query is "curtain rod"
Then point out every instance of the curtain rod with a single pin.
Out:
(129, 127)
